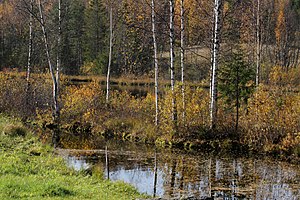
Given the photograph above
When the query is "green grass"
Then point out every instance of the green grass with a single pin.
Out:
(31, 170)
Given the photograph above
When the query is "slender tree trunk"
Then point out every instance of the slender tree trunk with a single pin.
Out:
(30, 45)
(155, 63)
(110, 54)
(58, 64)
(30, 50)
(55, 107)
(172, 63)
(212, 53)
(258, 43)
(215, 62)
(182, 53)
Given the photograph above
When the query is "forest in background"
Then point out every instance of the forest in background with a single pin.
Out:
(85, 35)
(257, 88)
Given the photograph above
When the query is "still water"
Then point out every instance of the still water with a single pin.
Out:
(178, 175)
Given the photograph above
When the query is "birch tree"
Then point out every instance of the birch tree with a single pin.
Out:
(30, 44)
(110, 53)
(55, 107)
(172, 63)
(58, 64)
(215, 62)
(258, 44)
(29, 59)
(182, 53)
(155, 61)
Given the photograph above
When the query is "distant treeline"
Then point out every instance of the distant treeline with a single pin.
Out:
(85, 34)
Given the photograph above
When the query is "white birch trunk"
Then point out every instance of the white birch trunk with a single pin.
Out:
(216, 48)
(155, 62)
(55, 108)
(30, 44)
(212, 52)
(172, 66)
(110, 54)
(182, 53)
(30, 50)
(58, 64)
(258, 44)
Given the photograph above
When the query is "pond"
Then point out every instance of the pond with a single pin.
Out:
(173, 174)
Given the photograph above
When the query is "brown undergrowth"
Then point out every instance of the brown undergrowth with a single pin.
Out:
(268, 123)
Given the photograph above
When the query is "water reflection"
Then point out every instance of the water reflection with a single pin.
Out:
(78, 163)
(177, 175)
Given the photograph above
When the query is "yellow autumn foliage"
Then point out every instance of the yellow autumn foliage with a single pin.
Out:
(80, 103)
(273, 114)
(270, 121)
(196, 111)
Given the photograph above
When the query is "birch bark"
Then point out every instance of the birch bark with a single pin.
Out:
(182, 53)
(172, 63)
(58, 64)
(215, 59)
(30, 44)
(155, 62)
(55, 108)
(110, 53)
(258, 44)
(29, 60)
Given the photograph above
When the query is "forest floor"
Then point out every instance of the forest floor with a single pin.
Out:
(30, 169)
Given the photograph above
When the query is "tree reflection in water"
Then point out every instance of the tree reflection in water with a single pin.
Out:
(170, 174)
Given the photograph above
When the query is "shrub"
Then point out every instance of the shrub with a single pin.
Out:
(125, 114)
(17, 99)
(196, 112)
(272, 117)
(14, 130)
(81, 103)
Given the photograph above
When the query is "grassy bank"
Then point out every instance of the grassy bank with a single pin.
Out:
(31, 170)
